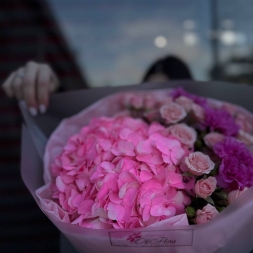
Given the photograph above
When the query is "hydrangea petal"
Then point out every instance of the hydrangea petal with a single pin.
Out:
(115, 212)
(144, 147)
(60, 185)
(85, 206)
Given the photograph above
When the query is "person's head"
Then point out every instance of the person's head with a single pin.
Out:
(168, 68)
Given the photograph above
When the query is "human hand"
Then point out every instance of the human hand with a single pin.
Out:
(32, 83)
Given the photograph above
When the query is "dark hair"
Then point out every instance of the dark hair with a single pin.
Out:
(172, 67)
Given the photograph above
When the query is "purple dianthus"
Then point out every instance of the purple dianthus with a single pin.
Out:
(236, 169)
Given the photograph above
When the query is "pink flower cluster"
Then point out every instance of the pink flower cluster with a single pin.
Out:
(206, 214)
(166, 159)
(123, 173)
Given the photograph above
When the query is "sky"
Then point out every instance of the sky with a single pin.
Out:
(114, 40)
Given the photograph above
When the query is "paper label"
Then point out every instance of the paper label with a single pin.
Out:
(157, 238)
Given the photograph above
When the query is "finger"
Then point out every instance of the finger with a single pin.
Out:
(17, 84)
(55, 84)
(43, 84)
(29, 91)
(7, 85)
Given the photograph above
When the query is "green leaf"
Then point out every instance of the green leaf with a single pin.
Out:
(209, 200)
(198, 144)
(186, 174)
(220, 209)
(214, 171)
(190, 211)
(205, 176)
(221, 194)
(222, 202)
(202, 135)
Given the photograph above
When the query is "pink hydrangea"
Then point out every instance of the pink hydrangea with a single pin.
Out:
(120, 173)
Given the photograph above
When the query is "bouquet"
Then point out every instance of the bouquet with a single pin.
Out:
(147, 160)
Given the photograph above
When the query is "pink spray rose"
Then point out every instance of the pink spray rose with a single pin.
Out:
(198, 112)
(172, 113)
(165, 101)
(212, 138)
(185, 134)
(244, 137)
(152, 115)
(229, 108)
(242, 121)
(189, 106)
(205, 187)
(185, 102)
(233, 195)
(149, 102)
(133, 100)
(206, 214)
(199, 164)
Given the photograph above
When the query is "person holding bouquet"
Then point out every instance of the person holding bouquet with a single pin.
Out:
(26, 227)
(34, 82)
(202, 151)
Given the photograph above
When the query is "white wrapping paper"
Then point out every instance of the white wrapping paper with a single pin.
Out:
(231, 231)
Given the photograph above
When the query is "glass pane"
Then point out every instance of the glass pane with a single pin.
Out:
(115, 41)
(235, 22)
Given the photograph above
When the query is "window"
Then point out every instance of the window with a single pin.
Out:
(115, 41)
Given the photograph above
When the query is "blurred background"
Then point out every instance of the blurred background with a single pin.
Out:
(92, 43)
(110, 42)
(115, 41)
